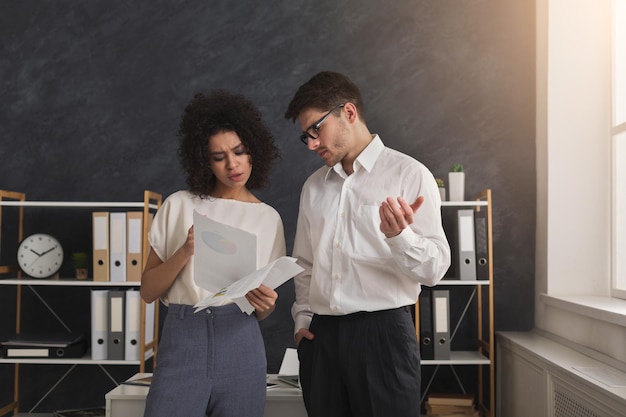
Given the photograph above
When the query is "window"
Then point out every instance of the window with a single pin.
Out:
(618, 132)
(577, 130)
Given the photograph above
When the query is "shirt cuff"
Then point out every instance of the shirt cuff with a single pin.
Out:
(402, 242)
(302, 317)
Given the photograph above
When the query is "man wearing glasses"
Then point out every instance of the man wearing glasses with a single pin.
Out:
(369, 234)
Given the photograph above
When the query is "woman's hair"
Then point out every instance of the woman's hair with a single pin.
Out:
(220, 111)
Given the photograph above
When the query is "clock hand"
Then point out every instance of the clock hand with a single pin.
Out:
(49, 250)
(33, 262)
(42, 254)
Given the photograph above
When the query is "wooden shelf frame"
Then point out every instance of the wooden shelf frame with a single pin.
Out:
(484, 356)
(148, 349)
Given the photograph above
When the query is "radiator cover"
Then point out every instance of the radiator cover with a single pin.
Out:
(537, 376)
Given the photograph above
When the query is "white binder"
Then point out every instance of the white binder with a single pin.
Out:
(133, 325)
(149, 326)
(117, 249)
(99, 324)
(134, 243)
(466, 251)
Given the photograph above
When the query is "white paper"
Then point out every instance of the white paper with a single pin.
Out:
(222, 254)
(272, 275)
(290, 364)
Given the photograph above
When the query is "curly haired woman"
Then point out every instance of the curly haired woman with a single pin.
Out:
(212, 362)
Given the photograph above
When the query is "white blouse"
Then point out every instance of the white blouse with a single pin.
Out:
(172, 221)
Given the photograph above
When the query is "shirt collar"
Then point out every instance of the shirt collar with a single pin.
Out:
(366, 159)
(370, 154)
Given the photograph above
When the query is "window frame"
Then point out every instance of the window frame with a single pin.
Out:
(618, 150)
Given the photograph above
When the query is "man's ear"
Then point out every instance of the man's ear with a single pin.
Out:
(351, 112)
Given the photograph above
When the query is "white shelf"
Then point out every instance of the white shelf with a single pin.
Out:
(96, 204)
(69, 361)
(34, 415)
(464, 203)
(84, 360)
(481, 288)
(68, 282)
(10, 278)
(460, 357)
(445, 282)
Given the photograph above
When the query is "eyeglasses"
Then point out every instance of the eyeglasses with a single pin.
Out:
(313, 131)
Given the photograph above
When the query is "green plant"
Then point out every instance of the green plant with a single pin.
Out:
(80, 260)
(456, 168)
(439, 183)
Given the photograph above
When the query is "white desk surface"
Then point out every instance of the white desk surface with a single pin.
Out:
(128, 392)
(283, 400)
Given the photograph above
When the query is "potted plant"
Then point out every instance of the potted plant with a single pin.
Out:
(80, 260)
(456, 183)
(442, 188)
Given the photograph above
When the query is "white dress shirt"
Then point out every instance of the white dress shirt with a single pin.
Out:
(349, 264)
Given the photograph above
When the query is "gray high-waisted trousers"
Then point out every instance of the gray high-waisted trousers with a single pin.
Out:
(209, 362)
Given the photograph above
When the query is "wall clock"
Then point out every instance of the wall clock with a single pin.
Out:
(40, 255)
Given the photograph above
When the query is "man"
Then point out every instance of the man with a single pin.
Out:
(369, 234)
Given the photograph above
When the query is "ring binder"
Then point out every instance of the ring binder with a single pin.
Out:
(441, 323)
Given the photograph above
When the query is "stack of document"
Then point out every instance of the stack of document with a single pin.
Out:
(223, 264)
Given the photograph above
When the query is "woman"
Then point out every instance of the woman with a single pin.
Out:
(212, 362)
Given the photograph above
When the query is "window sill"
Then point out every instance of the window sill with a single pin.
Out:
(602, 308)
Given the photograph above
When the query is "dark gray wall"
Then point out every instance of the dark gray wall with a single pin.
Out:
(92, 92)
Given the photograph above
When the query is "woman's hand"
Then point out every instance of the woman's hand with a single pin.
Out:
(263, 299)
(187, 247)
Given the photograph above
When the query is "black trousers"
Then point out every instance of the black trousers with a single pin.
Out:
(365, 364)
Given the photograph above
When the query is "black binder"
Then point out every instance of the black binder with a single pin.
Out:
(427, 351)
(482, 244)
(55, 345)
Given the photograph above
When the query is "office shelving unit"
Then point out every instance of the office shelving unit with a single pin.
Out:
(482, 291)
(10, 275)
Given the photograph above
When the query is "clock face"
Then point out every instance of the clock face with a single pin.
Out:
(40, 255)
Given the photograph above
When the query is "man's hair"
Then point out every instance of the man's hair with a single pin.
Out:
(324, 91)
(220, 111)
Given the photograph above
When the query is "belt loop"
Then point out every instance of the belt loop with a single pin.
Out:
(181, 312)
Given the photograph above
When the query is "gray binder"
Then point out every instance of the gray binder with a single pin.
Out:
(117, 307)
(441, 323)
